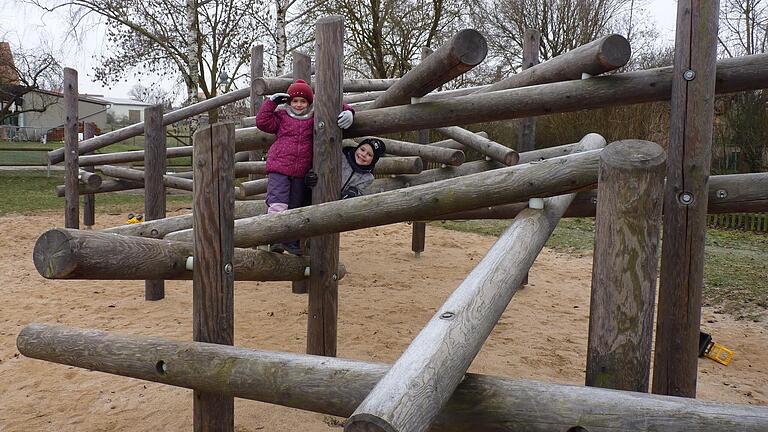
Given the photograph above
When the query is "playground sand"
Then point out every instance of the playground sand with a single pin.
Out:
(385, 299)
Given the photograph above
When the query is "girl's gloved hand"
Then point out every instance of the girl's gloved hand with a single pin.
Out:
(345, 119)
(280, 98)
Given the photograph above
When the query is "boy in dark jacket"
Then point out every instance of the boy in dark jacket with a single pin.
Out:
(356, 168)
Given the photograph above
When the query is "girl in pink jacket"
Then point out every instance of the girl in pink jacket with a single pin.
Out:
(290, 117)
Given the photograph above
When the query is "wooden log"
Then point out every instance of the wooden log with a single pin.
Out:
(685, 199)
(453, 144)
(89, 178)
(89, 200)
(419, 230)
(526, 133)
(465, 50)
(253, 187)
(56, 156)
(366, 103)
(625, 265)
(734, 74)
(267, 86)
(256, 168)
(337, 386)
(599, 56)
(71, 167)
(62, 253)
(302, 69)
(512, 184)
(322, 310)
(399, 165)
(362, 97)
(159, 228)
(213, 279)
(733, 193)
(257, 71)
(485, 146)
(139, 176)
(154, 188)
(106, 186)
(420, 383)
(427, 153)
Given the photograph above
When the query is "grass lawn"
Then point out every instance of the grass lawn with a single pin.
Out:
(735, 273)
(33, 153)
(29, 192)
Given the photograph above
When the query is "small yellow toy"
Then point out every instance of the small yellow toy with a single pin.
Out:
(714, 351)
(134, 219)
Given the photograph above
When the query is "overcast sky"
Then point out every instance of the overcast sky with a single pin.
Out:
(26, 24)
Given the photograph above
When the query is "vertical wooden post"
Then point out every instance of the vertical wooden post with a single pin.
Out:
(213, 275)
(154, 188)
(685, 198)
(526, 134)
(625, 265)
(257, 71)
(324, 253)
(71, 169)
(89, 200)
(419, 233)
(302, 69)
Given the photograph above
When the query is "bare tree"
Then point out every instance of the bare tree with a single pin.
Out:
(563, 24)
(194, 40)
(385, 36)
(151, 95)
(743, 27)
(23, 72)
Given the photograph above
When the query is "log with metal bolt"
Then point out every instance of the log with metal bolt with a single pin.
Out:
(418, 385)
(336, 386)
(547, 178)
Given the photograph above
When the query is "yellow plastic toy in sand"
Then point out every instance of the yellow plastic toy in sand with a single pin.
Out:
(134, 219)
(714, 351)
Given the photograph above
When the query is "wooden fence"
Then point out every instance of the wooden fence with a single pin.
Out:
(757, 222)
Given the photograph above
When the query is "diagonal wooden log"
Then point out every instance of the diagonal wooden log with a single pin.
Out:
(415, 389)
(441, 155)
(547, 178)
(599, 56)
(267, 86)
(56, 156)
(336, 386)
(62, 253)
(135, 175)
(399, 165)
(484, 146)
(465, 50)
(736, 74)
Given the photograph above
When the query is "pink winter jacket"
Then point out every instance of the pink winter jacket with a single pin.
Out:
(291, 153)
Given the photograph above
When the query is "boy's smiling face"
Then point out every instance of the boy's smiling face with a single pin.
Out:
(299, 104)
(364, 155)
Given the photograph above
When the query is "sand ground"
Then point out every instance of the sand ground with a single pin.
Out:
(386, 298)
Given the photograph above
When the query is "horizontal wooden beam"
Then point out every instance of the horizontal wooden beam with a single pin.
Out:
(428, 153)
(268, 86)
(61, 253)
(733, 75)
(337, 386)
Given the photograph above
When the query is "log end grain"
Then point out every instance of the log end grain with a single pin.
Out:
(52, 254)
(614, 51)
(470, 47)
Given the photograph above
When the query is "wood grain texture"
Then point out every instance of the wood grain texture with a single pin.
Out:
(135, 175)
(465, 50)
(336, 386)
(71, 167)
(251, 187)
(322, 310)
(154, 187)
(257, 71)
(625, 265)
(736, 74)
(689, 154)
(418, 385)
(427, 153)
(62, 253)
(512, 184)
(213, 277)
(267, 86)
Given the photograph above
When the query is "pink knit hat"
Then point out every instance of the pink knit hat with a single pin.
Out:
(300, 88)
